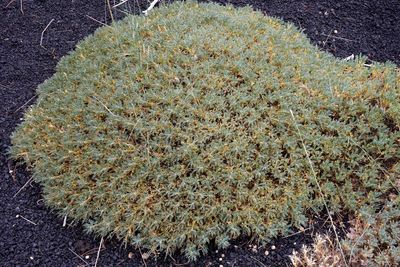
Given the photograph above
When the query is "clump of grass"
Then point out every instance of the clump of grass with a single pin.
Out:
(190, 126)
(322, 253)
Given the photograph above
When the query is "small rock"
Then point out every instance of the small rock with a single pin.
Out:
(130, 255)
(266, 253)
(273, 247)
(335, 31)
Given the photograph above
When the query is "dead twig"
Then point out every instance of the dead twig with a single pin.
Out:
(120, 3)
(178, 264)
(141, 255)
(327, 38)
(29, 221)
(77, 255)
(41, 37)
(65, 221)
(91, 251)
(20, 5)
(299, 232)
(9, 3)
(319, 188)
(101, 103)
(150, 7)
(98, 21)
(337, 37)
(98, 252)
(26, 103)
(25, 185)
(110, 10)
(258, 261)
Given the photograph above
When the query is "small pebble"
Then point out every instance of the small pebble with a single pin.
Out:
(266, 253)
(294, 243)
(254, 250)
(235, 246)
(31, 257)
(87, 257)
(222, 255)
(220, 259)
(335, 31)
(221, 265)
(130, 255)
(273, 247)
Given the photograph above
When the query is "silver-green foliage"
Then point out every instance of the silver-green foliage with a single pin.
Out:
(374, 239)
(173, 130)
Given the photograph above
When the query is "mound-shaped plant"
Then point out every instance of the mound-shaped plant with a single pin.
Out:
(202, 122)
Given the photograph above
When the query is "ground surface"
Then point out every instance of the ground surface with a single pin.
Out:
(32, 235)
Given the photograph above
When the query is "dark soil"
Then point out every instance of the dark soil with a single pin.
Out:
(32, 235)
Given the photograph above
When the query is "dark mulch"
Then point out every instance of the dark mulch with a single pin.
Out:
(345, 27)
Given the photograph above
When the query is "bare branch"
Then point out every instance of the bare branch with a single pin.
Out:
(41, 37)
(150, 7)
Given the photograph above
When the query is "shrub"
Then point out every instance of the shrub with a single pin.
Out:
(373, 240)
(323, 253)
(187, 127)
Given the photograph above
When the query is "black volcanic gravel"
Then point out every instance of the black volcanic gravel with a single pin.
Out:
(32, 235)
